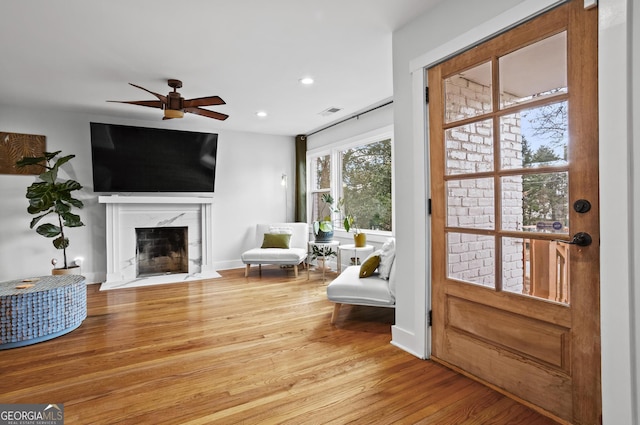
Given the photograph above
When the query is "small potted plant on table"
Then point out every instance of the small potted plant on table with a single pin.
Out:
(323, 228)
(349, 223)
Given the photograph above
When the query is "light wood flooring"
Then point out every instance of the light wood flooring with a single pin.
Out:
(236, 350)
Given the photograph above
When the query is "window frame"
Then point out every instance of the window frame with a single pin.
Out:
(334, 150)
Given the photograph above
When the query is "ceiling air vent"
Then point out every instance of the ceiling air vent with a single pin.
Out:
(330, 111)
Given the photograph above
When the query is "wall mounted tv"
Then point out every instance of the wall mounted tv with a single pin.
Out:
(137, 159)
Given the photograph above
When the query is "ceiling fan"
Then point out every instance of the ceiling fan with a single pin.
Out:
(174, 105)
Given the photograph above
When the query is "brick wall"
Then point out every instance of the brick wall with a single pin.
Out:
(470, 203)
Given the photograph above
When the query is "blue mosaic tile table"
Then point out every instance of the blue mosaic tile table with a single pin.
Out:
(49, 306)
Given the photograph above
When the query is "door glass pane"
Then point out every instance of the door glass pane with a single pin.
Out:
(512, 212)
(536, 268)
(471, 258)
(470, 203)
(513, 265)
(469, 148)
(536, 203)
(535, 137)
(534, 72)
(468, 94)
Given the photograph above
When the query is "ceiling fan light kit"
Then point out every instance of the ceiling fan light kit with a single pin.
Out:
(173, 113)
(174, 105)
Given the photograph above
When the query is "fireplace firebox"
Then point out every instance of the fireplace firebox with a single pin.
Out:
(162, 250)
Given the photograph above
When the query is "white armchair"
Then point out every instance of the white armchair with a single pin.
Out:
(291, 254)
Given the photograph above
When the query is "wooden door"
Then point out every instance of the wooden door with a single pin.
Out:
(514, 175)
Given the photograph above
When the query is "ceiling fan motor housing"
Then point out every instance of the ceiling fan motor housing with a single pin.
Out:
(174, 101)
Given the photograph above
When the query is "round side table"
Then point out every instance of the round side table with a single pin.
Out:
(356, 255)
(39, 309)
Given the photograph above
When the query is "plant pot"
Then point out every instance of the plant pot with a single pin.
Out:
(360, 239)
(68, 271)
(323, 231)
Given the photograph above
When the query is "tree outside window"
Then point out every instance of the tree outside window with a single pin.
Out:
(366, 185)
(545, 194)
(320, 184)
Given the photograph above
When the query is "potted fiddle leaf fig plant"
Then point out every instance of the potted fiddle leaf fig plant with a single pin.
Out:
(53, 196)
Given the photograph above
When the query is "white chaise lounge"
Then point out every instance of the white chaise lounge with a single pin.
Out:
(292, 254)
(376, 290)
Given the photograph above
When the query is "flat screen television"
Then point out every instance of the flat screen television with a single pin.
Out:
(138, 159)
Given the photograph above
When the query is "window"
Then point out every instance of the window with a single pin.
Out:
(320, 184)
(360, 173)
(366, 184)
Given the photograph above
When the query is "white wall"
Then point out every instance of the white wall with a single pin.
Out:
(633, 147)
(247, 191)
(619, 181)
(619, 208)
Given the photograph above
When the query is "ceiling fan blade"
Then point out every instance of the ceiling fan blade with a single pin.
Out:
(159, 96)
(204, 101)
(207, 113)
(149, 103)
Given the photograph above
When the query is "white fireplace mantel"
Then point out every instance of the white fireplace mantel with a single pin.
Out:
(117, 199)
(126, 213)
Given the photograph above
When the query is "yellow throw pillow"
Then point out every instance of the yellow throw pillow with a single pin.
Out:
(369, 265)
(278, 240)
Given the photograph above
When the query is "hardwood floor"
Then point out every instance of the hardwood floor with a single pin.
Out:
(236, 350)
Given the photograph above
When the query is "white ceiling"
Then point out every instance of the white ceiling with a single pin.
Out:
(76, 54)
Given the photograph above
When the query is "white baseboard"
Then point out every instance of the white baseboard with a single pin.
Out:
(227, 265)
(94, 277)
(405, 341)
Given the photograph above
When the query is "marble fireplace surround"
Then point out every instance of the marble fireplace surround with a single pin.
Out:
(125, 213)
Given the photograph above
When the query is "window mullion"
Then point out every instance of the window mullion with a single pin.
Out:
(336, 184)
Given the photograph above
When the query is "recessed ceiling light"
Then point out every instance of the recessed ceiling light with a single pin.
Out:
(261, 114)
(306, 81)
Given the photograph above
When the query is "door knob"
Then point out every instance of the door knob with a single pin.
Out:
(582, 206)
(580, 239)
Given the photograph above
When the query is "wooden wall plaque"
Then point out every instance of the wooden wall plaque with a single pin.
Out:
(15, 146)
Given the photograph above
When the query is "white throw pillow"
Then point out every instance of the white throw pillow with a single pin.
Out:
(392, 280)
(387, 255)
(281, 230)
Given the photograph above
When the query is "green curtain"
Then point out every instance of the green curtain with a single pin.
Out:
(301, 179)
